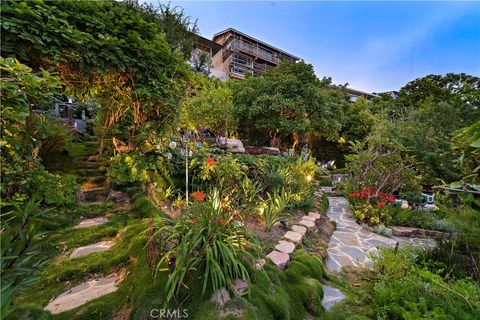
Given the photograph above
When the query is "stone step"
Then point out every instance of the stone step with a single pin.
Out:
(91, 222)
(98, 190)
(300, 229)
(307, 223)
(331, 296)
(280, 259)
(86, 250)
(309, 218)
(90, 158)
(315, 215)
(87, 164)
(93, 179)
(82, 294)
(293, 236)
(99, 187)
(285, 246)
(90, 172)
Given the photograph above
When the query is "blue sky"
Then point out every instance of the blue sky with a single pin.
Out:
(374, 46)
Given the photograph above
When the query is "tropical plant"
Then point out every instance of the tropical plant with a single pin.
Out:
(19, 259)
(272, 209)
(207, 242)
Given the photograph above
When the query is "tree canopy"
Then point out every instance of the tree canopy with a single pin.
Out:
(286, 103)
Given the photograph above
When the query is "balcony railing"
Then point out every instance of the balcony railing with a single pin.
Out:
(252, 49)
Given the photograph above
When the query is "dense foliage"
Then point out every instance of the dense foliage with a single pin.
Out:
(285, 105)
(115, 52)
(209, 240)
(407, 290)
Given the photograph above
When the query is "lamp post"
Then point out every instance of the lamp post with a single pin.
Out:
(186, 139)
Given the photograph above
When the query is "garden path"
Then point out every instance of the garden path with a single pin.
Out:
(351, 244)
(94, 191)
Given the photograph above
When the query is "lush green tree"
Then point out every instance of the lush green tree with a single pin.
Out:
(208, 104)
(458, 87)
(179, 29)
(285, 104)
(466, 142)
(115, 52)
(359, 120)
(21, 91)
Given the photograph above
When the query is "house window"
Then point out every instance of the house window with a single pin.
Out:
(238, 70)
(243, 60)
(265, 53)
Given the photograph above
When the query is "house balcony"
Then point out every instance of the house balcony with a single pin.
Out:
(254, 50)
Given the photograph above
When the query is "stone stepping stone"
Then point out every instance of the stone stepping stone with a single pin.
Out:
(354, 253)
(315, 215)
(280, 259)
(300, 229)
(347, 238)
(91, 222)
(221, 296)
(259, 264)
(285, 246)
(309, 218)
(293, 236)
(96, 247)
(307, 223)
(332, 265)
(331, 296)
(82, 294)
(240, 286)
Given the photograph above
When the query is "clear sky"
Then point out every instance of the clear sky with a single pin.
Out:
(374, 46)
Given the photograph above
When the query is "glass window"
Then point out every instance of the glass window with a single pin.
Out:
(236, 69)
(265, 53)
(246, 61)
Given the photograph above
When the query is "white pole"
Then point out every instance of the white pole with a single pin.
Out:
(186, 172)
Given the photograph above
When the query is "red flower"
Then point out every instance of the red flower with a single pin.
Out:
(210, 162)
(381, 203)
(199, 195)
(221, 221)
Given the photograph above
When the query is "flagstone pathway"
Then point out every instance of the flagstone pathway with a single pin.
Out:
(351, 244)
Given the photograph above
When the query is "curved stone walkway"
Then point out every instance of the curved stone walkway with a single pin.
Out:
(351, 244)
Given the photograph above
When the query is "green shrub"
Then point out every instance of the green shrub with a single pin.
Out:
(127, 168)
(459, 256)
(53, 189)
(207, 241)
(325, 181)
(19, 260)
(272, 209)
(404, 290)
(434, 220)
(53, 136)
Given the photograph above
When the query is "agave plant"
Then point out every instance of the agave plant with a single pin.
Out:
(207, 240)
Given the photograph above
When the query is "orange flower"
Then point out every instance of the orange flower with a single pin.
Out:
(221, 221)
(199, 195)
(210, 162)
(194, 221)
(181, 204)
